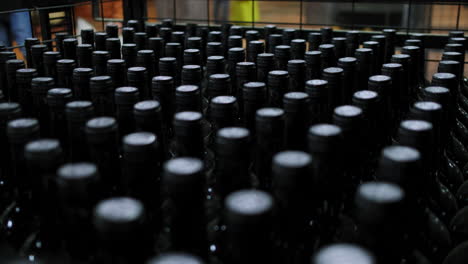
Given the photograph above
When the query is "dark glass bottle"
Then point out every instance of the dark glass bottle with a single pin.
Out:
(340, 47)
(214, 65)
(298, 48)
(140, 39)
(122, 231)
(112, 30)
(84, 54)
(100, 41)
(214, 49)
(163, 90)
(282, 56)
(313, 64)
(254, 48)
(4, 57)
(352, 42)
(136, 25)
(87, 36)
(364, 59)
(188, 135)
(327, 56)
(449, 81)
(102, 139)
(334, 77)
(168, 67)
(296, 106)
(128, 35)
(374, 46)
(277, 86)
(113, 47)
(183, 185)
(215, 36)
(319, 101)
(349, 66)
(297, 75)
(129, 54)
(235, 55)
(37, 57)
(69, 48)
(148, 118)
(140, 169)
(165, 33)
(343, 253)
(403, 60)
(382, 84)
(59, 38)
(390, 42)
(249, 227)
(50, 63)
(77, 114)
(381, 39)
(265, 64)
(292, 172)
(234, 41)
(192, 75)
(56, 100)
(254, 96)
(192, 57)
(268, 30)
(23, 82)
(81, 82)
(188, 98)
(65, 69)
(39, 88)
(116, 69)
(399, 95)
(102, 95)
(315, 40)
(269, 129)
(11, 67)
(415, 82)
(223, 112)
(174, 50)
(125, 98)
(245, 72)
(273, 41)
(28, 43)
(100, 58)
(138, 77)
(251, 35)
(147, 59)
(197, 43)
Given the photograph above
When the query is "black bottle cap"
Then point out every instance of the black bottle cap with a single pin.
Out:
(140, 39)
(65, 66)
(178, 36)
(352, 36)
(112, 30)
(426, 110)
(380, 39)
(13, 65)
(232, 141)
(192, 57)
(140, 146)
(83, 72)
(165, 33)
(314, 37)
(134, 24)
(40, 85)
(247, 207)
(214, 49)
(274, 40)
(147, 108)
(194, 43)
(389, 31)
(180, 175)
(235, 30)
(458, 40)
(445, 79)
(185, 121)
(236, 54)
(343, 253)
(436, 94)
(256, 46)
(79, 111)
(76, 180)
(188, 96)
(452, 55)
(215, 64)
(381, 84)
(365, 99)
(348, 117)
(136, 73)
(295, 66)
(215, 36)
(87, 36)
(59, 97)
(347, 62)
(162, 84)
(402, 59)
(100, 84)
(129, 49)
(223, 107)
(22, 130)
(327, 34)
(26, 74)
(289, 165)
(288, 35)
(327, 49)
(43, 152)
(113, 45)
(51, 57)
(332, 73)
(9, 111)
(115, 64)
(101, 129)
(219, 83)
(265, 59)
(413, 51)
(234, 41)
(126, 95)
(266, 118)
(313, 57)
(128, 34)
(454, 47)
(324, 138)
(389, 68)
(118, 218)
(252, 35)
(363, 55)
(374, 45)
(100, 39)
(449, 66)
(175, 258)
(316, 88)
(276, 76)
(295, 101)
(413, 42)
(378, 202)
(415, 133)
(191, 74)
(36, 50)
(456, 34)
(400, 165)
(245, 69)
(100, 57)
(298, 44)
(70, 43)
(254, 91)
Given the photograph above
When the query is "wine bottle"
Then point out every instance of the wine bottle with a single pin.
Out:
(349, 66)
(50, 63)
(37, 57)
(56, 100)
(125, 98)
(254, 96)
(319, 101)
(102, 95)
(39, 88)
(65, 69)
(315, 40)
(296, 106)
(298, 48)
(352, 42)
(297, 74)
(77, 114)
(69, 48)
(129, 54)
(265, 64)
(23, 82)
(87, 36)
(278, 81)
(11, 67)
(140, 39)
(113, 47)
(100, 58)
(334, 78)
(138, 77)
(313, 64)
(343, 253)
(112, 30)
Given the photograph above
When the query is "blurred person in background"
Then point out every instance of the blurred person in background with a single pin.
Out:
(14, 26)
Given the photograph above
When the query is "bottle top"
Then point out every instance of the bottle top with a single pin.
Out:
(363, 54)
(26, 74)
(268, 115)
(22, 129)
(352, 36)
(248, 205)
(13, 65)
(413, 42)
(136, 73)
(253, 90)
(235, 41)
(316, 88)
(415, 133)
(324, 138)
(456, 47)
(236, 54)
(428, 111)
(187, 119)
(287, 164)
(112, 30)
(37, 50)
(175, 258)
(100, 56)
(151, 29)
(76, 178)
(126, 95)
(232, 140)
(343, 253)
(276, 76)
(43, 151)
(40, 85)
(235, 30)
(347, 62)
(255, 45)
(313, 57)
(379, 38)
(347, 116)
(178, 36)
(162, 80)
(327, 49)
(182, 174)
(70, 41)
(244, 68)
(391, 67)
(411, 50)
(380, 83)
(59, 96)
(133, 24)
(445, 79)
(295, 65)
(332, 72)
(80, 47)
(437, 94)
(79, 111)
(295, 101)
(100, 84)
(115, 64)
(378, 202)
(371, 44)
(224, 107)
(449, 66)
(457, 34)
(147, 108)
(402, 59)
(129, 49)
(265, 59)
(283, 51)
(314, 37)
(187, 94)
(88, 72)
(51, 57)
(365, 99)
(101, 126)
(140, 142)
(118, 216)
(9, 111)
